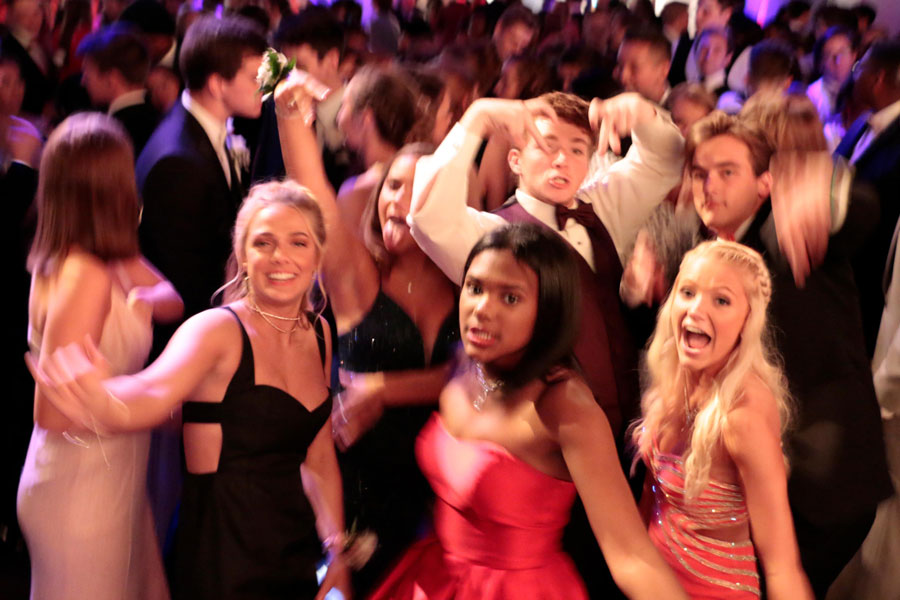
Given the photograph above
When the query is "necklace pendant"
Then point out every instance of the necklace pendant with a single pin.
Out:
(478, 402)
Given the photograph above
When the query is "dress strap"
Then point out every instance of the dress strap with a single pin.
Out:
(243, 378)
(245, 375)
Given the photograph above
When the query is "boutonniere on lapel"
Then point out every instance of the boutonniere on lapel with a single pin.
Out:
(237, 148)
(275, 67)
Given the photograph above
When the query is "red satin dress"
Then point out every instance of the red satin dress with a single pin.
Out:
(707, 568)
(498, 523)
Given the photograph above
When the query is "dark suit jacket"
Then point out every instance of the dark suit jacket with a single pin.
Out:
(139, 120)
(38, 86)
(268, 163)
(838, 464)
(189, 209)
(679, 60)
(879, 166)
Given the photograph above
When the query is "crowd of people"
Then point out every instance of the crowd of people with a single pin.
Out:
(452, 300)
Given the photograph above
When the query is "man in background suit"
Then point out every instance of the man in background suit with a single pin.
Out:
(872, 144)
(20, 40)
(315, 40)
(186, 176)
(838, 467)
(191, 191)
(114, 72)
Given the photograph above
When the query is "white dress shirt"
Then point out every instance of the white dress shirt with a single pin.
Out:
(132, 98)
(215, 129)
(622, 197)
(327, 131)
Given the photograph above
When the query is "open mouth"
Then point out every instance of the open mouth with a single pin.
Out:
(480, 337)
(695, 338)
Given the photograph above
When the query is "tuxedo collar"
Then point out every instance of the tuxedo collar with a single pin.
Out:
(542, 211)
(215, 129)
(132, 98)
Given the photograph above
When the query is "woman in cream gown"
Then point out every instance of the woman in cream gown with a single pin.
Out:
(82, 500)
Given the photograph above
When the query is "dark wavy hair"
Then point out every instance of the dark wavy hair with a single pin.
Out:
(552, 341)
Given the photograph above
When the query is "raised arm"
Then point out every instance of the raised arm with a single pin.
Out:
(350, 275)
(440, 221)
(73, 377)
(625, 195)
(752, 436)
(580, 427)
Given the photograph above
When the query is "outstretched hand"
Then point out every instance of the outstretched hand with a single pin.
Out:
(296, 96)
(512, 119)
(358, 408)
(614, 119)
(71, 379)
(801, 205)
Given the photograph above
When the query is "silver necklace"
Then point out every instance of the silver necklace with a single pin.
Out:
(252, 305)
(486, 386)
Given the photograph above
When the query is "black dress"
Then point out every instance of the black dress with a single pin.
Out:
(383, 488)
(247, 531)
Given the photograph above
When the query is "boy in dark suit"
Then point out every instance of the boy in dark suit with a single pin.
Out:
(114, 72)
(872, 145)
(186, 174)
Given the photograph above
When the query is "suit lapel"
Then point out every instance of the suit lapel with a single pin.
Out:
(887, 137)
(204, 147)
(845, 148)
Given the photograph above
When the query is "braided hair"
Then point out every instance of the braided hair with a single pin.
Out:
(753, 355)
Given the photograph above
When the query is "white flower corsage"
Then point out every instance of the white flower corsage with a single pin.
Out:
(237, 148)
(275, 67)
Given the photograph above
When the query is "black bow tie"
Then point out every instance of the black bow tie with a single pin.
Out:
(583, 213)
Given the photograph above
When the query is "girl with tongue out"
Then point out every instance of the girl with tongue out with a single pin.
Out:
(714, 415)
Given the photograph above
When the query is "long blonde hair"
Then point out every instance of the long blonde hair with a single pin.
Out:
(274, 193)
(663, 404)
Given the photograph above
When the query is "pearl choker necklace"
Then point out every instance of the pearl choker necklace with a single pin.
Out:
(265, 315)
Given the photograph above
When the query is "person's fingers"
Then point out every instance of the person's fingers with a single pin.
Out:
(97, 359)
(58, 395)
(38, 374)
(595, 113)
(538, 107)
(615, 143)
(603, 138)
(532, 130)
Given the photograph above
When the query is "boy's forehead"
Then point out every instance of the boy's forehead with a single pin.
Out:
(562, 130)
(721, 149)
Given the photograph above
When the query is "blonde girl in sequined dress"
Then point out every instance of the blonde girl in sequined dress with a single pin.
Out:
(714, 414)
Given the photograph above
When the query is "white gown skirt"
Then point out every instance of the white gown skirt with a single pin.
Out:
(84, 513)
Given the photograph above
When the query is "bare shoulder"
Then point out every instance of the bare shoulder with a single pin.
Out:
(753, 419)
(84, 267)
(213, 328)
(568, 401)
(81, 277)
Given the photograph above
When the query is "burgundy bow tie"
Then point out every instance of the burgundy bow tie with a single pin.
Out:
(583, 213)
